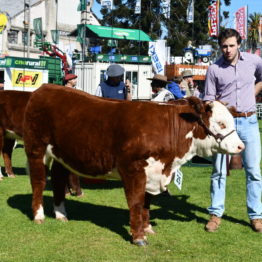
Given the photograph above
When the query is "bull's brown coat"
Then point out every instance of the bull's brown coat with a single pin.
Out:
(92, 135)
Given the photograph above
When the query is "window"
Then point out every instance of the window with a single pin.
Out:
(12, 37)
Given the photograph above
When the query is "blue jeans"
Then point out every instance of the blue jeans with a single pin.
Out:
(248, 131)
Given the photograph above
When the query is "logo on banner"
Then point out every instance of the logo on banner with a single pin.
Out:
(213, 19)
(21, 78)
(241, 21)
(158, 56)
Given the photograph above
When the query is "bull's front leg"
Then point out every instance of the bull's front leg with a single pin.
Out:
(134, 186)
(59, 176)
(146, 215)
(38, 182)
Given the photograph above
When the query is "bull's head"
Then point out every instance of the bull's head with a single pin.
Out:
(217, 123)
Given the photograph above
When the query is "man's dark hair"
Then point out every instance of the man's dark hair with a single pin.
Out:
(229, 32)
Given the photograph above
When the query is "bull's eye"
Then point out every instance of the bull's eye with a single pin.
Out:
(221, 125)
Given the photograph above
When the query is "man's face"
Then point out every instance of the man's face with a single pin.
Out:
(115, 80)
(73, 82)
(229, 48)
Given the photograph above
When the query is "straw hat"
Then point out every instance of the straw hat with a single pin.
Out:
(160, 78)
(187, 73)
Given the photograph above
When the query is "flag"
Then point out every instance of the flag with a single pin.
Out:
(260, 30)
(157, 51)
(190, 11)
(241, 21)
(55, 36)
(166, 8)
(138, 7)
(107, 4)
(213, 19)
(37, 23)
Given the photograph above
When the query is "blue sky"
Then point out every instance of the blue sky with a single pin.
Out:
(253, 6)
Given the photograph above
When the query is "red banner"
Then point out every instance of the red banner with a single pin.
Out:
(213, 19)
(241, 21)
(260, 30)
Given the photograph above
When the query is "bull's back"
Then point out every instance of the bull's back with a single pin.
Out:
(74, 124)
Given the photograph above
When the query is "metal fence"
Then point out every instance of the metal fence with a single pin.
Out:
(259, 110)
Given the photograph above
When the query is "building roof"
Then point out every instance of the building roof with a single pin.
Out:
(14, 7)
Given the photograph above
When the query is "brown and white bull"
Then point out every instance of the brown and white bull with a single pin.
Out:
(145, 141)
(12, 107)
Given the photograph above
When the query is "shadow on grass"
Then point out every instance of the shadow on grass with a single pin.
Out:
(171, 207)
(111, 218)
(179, 208)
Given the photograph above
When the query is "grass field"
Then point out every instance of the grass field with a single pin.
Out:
(98, 228)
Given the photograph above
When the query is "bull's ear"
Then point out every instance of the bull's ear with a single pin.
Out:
(190, 116)
(196, 104)
(208, 106)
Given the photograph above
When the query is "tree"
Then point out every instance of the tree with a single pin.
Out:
(253, 27)
(152, 21)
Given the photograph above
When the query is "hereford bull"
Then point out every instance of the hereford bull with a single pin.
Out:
(145, 141)
(12, 107)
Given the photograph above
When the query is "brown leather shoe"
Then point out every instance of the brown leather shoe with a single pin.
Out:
(256, 225)
(213, 223)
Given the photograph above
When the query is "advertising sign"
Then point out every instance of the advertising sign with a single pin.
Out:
(213, 19)
(3, 21)
(241, 21)
(26, 78)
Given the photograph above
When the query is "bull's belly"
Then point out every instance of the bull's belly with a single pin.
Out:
(12, 135)
(97, 174)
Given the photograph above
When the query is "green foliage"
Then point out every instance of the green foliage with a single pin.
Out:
(98, 227)
(253, 27)
(175, 29)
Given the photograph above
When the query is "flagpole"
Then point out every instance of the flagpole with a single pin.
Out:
(111, 42)
(246, 30)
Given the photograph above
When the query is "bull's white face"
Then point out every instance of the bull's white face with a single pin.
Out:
(221, 122)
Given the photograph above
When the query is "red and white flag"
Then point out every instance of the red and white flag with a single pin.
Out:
(241, 21)
(213, 19)
(260, 30)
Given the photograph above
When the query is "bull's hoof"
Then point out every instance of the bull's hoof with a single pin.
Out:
(149, 230)
(38, 221)
(11, 175)
(140, 242)
(62, 219)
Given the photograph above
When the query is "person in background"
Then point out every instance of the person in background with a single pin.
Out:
(174, 87)
(160, 93)
(114, 87)
(235, 78)
(187, 85)
(2, 83)
(198, 90)
(70, 80)
(73, 184)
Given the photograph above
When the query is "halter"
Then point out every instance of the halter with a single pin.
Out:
(218, 137)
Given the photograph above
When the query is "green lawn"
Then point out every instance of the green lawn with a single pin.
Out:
(98, 228)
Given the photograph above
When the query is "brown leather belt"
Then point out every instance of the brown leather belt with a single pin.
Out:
(246, 114)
